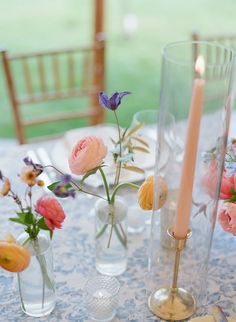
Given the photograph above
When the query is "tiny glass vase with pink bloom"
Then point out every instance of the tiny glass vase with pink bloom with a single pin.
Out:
(31, 255)
(36, 283)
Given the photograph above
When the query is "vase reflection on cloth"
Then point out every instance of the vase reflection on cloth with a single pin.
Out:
(36, 283)
(111, 238)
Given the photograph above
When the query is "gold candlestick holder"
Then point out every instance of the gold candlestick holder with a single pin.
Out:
(173, 303)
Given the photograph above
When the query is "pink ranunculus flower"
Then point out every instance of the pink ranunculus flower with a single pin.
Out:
(227, 217)
(87, 154)
(210, 181)
(227, 184)
(51, 210)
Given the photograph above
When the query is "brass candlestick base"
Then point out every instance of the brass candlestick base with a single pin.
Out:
(172, 306)
(173, 303)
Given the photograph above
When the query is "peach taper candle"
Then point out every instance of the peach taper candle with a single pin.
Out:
(184, 202)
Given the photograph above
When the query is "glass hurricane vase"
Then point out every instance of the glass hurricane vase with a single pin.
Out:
(111, 238)
(200, 98)
(36, 283)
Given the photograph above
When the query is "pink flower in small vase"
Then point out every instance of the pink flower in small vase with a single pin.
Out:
(51, 210)
(227, 217)
(210, 182)
(228, 184)
(87, 154)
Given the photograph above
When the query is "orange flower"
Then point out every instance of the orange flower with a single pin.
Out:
(13, 257)
(146, 193)
(28, 175)
(5, 187)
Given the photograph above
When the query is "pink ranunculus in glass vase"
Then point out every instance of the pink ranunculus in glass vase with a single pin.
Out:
(30, 256)
(51, 210)
(227, 217)
(228, 186)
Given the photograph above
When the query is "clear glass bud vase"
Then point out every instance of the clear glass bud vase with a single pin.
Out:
(197, 88)
(111, 237)
(36, 283)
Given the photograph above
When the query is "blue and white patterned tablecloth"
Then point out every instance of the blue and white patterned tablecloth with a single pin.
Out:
(74, 262)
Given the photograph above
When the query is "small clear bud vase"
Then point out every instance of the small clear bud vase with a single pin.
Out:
(36, 283)
(197, 88)
(111, 236)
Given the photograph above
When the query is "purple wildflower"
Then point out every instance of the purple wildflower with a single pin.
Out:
(113, 102)
(64, 189)
(38, 168)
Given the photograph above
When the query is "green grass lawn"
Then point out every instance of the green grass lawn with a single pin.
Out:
(133, 63)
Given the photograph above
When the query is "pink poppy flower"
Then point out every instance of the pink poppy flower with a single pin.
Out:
(51, 210)
(87, 154)
(227, 217)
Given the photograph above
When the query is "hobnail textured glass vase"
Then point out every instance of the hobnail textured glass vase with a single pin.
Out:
(36, 283)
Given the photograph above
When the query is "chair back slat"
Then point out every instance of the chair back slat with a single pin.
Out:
(42, 75)
(71, 69)
(56, 72)
(27, 76)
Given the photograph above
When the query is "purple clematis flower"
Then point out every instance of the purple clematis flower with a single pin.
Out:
(114, 101)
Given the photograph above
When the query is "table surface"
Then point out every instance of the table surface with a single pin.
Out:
(74, 253)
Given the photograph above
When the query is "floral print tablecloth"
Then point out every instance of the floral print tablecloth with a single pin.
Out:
(74, 262)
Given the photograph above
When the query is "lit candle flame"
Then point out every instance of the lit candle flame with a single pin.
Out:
(200, 65)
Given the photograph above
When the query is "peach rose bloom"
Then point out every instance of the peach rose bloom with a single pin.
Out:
(51, 210)
(227, 217)
(13, 257)
(87, 154)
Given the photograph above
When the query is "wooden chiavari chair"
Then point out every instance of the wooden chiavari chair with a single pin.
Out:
(52, 75)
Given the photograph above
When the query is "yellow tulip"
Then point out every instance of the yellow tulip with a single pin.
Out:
(146, 193)
(13, 257)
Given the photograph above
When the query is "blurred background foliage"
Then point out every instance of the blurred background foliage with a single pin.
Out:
(136, 32)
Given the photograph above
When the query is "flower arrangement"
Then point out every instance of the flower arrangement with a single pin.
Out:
(46, 214)
(87, 158)
(227, 212)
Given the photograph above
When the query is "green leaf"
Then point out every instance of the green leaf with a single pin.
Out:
(140, 141)
(53, 185)
(88, 174)
(41, 224)
(18, 220)
(232, 190)
(133, 168)
(140, 148)
(135, 129)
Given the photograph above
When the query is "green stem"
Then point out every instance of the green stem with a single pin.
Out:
(105, 183)
(112, 225)
(121, 239)
(128, 184)
(101, 232)
(117, 177)
(20, 292)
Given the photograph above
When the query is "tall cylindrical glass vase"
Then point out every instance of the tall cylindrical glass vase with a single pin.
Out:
(197, 88)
